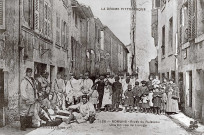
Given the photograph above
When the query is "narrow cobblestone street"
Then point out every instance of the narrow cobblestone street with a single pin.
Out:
(112, 123)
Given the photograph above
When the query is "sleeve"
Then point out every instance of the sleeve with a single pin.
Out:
(24, 86)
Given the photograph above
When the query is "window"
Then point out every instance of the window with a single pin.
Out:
(163, 40)
(189, 92)
(2, 14)
(47, 20)
(191, 19)
(99, 35)
(64, 35)
(57, 28)
(36, 15)
(102, 40)
(171, 35)
(76, 20)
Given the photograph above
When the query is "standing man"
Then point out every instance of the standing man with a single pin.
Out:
(72, 89)
(87, 85)
(100, 88)
(27, 99)
(59, 90)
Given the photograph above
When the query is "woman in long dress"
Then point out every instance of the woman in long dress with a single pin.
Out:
(107, 97)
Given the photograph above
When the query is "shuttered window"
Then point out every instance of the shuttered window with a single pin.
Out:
(191, 19)
(2, 14)
(47, 20)
(58, 28)
(36, 15)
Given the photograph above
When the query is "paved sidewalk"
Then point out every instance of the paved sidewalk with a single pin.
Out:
(185, 121)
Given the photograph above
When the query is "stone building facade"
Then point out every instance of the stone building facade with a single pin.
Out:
(187, 57)
(49, 36)
(141, 39)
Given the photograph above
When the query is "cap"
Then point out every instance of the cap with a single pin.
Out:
(86, 74)
(117, 78)
(84, 96)
(143, 82)
(137, 83)
(129, 86)
(71, 74)
(28, 70)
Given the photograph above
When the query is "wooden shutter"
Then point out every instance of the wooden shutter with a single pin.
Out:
(191, 19)
(181, 20)
(36, 16)
(2, 14)
(157, 3)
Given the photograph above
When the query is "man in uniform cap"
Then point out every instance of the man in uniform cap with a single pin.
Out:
(86, 109)
(27, 100)
(59, 89)
(72, 89)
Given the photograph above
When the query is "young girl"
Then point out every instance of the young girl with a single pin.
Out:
(164, 100)
(150, 97)
(107, 97)
(129, 99)
(145, 102)
(157, 100)
(94, 98)
(156, 81)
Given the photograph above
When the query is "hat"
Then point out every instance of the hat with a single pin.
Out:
(101, 77)
(127, 74)
(143, 82)
(71, 74)
(129, 86)
(137, 83)
(28, 70)
(86, 74)
(81, 75)
(108, 73)
(84, 96)
(134, 73)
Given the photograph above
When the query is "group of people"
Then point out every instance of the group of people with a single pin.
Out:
(78, 100)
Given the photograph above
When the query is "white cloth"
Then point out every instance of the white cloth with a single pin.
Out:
(87, 85)
(58, 85)
(73, 88)
(107, 99)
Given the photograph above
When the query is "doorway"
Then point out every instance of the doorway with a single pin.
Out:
(189, 92)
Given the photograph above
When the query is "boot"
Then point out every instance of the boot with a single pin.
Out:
(23, 123)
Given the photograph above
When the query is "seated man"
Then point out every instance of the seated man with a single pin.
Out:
(86, 111)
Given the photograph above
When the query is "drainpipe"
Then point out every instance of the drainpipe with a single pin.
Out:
(19, 53)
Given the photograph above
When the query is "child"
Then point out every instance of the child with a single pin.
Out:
(107, 97)
(136, 91)
(156, 81)
(116, 94)
(94, 98)
(129, 99)
(150, 97)
(144, 87)
(157, 98)
(164, 100)
(145, 103)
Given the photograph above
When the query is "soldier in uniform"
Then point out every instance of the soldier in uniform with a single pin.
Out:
(59, 91)
(87, 85)
(73, 89)
(27, 99)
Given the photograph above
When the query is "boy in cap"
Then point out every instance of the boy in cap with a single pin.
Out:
(144, 87)
(136, 91)
(129, 99)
